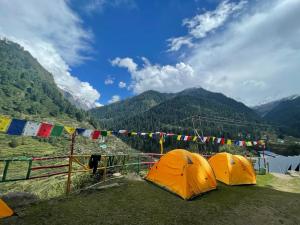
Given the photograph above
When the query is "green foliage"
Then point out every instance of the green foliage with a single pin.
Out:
(287, 115)
(27, 88)
(154, 111)
(13, 143)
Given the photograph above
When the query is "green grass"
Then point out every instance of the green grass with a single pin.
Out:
(139, 202)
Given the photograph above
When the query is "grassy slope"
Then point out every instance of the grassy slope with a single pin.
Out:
(143, 203)
(33, 147)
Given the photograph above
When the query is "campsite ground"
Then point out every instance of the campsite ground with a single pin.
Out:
(139, 202)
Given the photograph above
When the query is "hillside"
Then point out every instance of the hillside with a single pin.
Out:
(131, 106)
(287, 115)
(263, 109)
(27, 88)
(151, 111)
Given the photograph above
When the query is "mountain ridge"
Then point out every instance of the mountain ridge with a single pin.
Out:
(170, 109)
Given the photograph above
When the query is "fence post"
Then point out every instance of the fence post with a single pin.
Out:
(5, 170)
(29, 169)
(69, 181)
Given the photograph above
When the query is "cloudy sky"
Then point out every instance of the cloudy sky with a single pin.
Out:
(102, 51)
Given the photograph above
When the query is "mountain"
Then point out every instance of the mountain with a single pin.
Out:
(27, 88)
(131, 106)
(153, 111)
(263, 109)
(286, 114)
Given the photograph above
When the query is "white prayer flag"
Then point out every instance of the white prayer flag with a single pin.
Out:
(87, 133)
(31, 128)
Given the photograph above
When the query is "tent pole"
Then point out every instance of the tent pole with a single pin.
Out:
(70, 163)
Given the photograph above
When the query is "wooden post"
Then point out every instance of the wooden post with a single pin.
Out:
(69, 182)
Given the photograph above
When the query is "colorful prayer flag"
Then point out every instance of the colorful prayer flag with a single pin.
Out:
(104, 133)
(87, 133)
(31, 128)
(222, 141)
(79, 131)
(229, 142)
(178, 137)
(45, 130)
(248, 143)
(16, 127)
(4, 123)
(57, 131)
(96, 134)
(70, 130)
(195, 138)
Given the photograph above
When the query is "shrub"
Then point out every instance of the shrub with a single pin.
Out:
(13, 144)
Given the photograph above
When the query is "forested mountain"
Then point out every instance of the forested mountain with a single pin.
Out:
(129, 107)
(154, 111)
(263, 109)
(27, 88)
(286, 114)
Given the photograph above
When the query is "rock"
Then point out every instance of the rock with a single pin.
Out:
(19, 199)
(117, 174)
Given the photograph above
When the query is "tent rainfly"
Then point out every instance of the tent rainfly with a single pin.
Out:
(5, 211)
(183, 173)
(232, 169)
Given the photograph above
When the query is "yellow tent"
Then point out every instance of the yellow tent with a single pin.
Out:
(5, 211)
(183, 173)
(232, 169)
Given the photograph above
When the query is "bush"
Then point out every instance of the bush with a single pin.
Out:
(13, 144)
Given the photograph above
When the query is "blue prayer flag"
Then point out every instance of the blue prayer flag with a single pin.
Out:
(80, 130)
(16, 127)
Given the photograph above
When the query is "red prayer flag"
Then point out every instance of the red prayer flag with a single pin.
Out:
(45, 130)
(96, 134)
(222, 141)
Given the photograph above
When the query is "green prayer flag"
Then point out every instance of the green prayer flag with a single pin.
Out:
(57, 131)
(103, 133)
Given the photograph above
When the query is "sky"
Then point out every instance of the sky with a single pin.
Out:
(103, 51)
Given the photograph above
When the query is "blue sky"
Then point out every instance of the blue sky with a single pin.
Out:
(140, 29)
(246, 49)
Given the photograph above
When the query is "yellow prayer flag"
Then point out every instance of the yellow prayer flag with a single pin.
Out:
(213, 138)
(109, 133)
(195, 138)
(4, 123)
(150, 135)
(228, 142)
(70, 130)
(179, 137)
(133, 133)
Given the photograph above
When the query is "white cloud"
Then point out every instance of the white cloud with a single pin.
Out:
(114, 98)
(166, 78)
(122, 84)
(256, 57)
(252, 58)
(125, 63)
(203, 24)
(176, 43)
(93, 6)
(54, 35)
(109, 80)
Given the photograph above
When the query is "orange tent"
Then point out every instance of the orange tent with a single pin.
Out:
(183, 173)
(232, 169)
(5, 211)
